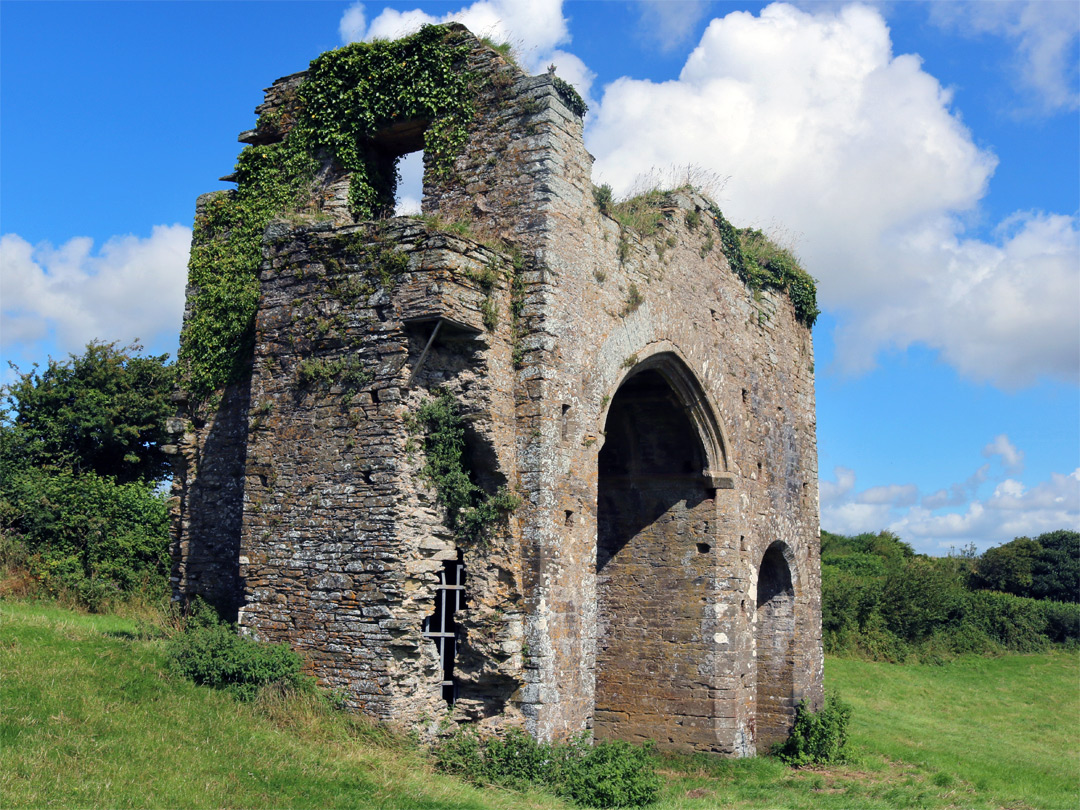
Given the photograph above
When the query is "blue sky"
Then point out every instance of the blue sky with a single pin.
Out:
(921, 158)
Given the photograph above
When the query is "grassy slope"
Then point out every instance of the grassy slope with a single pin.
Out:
(89, 719)
(978, 732)
(1008, 727)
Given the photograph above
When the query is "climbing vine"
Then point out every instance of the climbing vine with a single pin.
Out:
(571, 96)
(470, 511)
(760, 262)
(353, 92)
(349, 95)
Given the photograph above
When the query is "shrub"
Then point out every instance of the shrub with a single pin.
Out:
(612, 774)
(86, 536)
(1062, 622)
(604, 774)
(470, 510)
(603, 197)
(211, 653)
(817, 737)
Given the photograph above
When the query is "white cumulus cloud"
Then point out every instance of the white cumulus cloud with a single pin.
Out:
(534, 29)
(65, 296)
(1045, 35)
(1011, 457)
(856, 152)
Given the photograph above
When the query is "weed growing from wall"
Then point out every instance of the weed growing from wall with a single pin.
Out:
(517, 306)
(571, 96)
(348, 96)
(760, 262)
(634, 299)
(770, 265)
(470, 511)
(323, 372)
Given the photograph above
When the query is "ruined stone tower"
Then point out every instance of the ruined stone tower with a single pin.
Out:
(512, 462)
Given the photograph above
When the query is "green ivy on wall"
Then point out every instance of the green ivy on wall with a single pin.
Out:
(348, 96)
(470, 511)
(760, 262)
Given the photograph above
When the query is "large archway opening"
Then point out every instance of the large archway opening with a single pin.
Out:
(774, 634)
(655, 562)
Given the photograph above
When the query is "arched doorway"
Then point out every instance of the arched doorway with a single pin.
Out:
(655, 561)
(774, 634)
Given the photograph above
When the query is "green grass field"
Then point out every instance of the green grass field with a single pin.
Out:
(92, 719)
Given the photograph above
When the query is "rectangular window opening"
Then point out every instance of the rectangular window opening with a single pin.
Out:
(441, 627)
(410, 186)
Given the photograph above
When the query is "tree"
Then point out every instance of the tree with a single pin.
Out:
(1047, 567)
(1008, 568)
(80, 460)
(1056, 572)
(102, 412)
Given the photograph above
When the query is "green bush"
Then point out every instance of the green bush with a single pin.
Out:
(612, 774)
(87, 536)
(1062, 622)
(883, 601)
(213, 654)
(604, 774)
(817, 737)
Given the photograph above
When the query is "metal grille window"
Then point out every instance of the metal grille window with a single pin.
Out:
(440, 626)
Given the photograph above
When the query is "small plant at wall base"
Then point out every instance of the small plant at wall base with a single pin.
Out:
(211, 653)
(817, 738)
(604, 774)
(470, 511)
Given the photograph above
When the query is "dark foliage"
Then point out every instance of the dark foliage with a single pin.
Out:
(212, 653)
(102, 412)
(86, 536)
(881, 600)
(1047, 567)
(80, 458)
(470, 511)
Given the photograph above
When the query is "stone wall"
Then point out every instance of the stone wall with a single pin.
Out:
(655, 415)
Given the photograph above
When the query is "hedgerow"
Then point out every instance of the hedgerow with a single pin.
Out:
(883, 601)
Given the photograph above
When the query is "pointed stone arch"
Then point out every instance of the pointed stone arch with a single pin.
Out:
(697, 405)
(656, 531)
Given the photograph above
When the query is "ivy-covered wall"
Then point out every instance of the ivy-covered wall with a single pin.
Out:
(330, 117)
(402, 394)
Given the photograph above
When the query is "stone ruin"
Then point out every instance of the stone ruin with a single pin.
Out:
(659, 578)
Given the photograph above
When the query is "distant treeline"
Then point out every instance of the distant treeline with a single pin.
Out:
(883, 601)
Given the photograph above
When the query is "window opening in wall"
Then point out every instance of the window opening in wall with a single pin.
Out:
(440, 626)
(410, 187)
